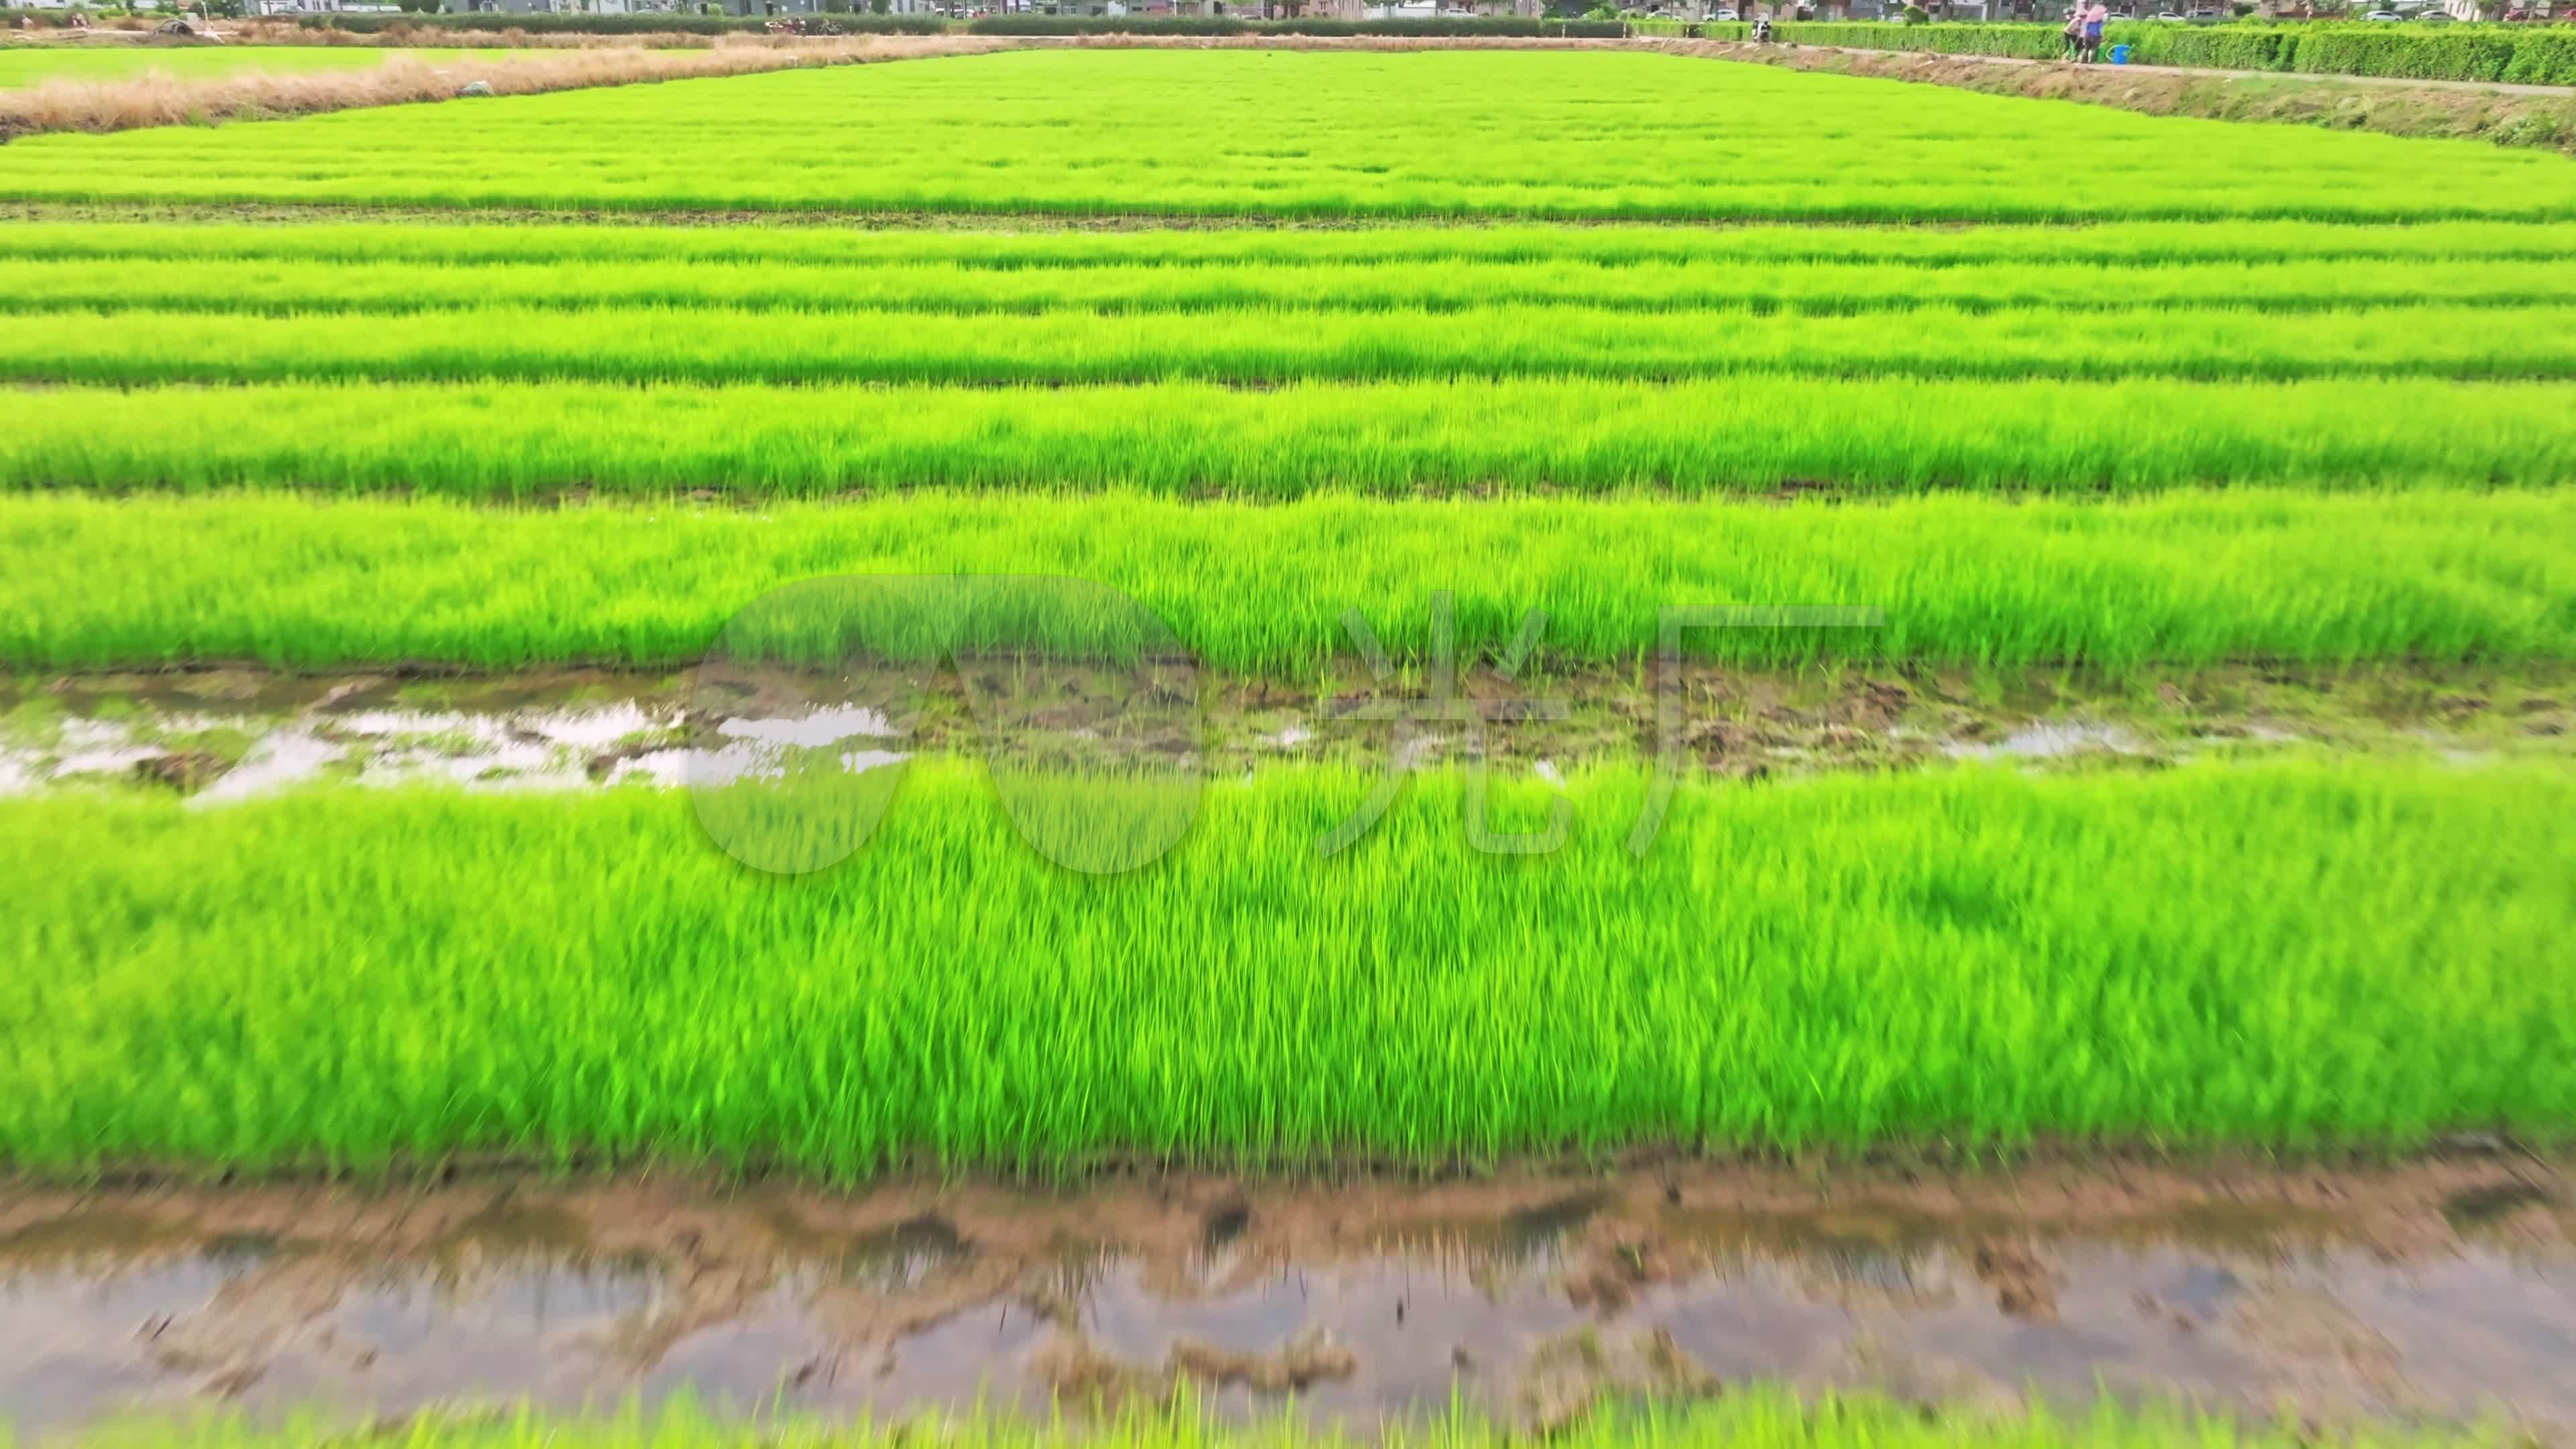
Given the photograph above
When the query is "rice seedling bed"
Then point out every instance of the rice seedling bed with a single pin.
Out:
(1758, 434)
(146, 232)
(1607, 135)
(2184, 578)
(2290, 954)
(1268, 345)
(1582, 359)
(269, 270)
(1763, 1417)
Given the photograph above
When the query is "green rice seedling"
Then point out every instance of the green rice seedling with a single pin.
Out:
(1755, 1417)
(1589, 135)
(498, 442)
(2181, 578)
(1426, 291)
(2289, 954)
(1041, 246)
(1268, 345)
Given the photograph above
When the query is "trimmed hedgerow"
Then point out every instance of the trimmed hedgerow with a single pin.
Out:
(654, 24)
(1429, 29)
(2528, 55)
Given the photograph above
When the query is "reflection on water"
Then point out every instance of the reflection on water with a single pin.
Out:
(1529, 1304)
(241, 750)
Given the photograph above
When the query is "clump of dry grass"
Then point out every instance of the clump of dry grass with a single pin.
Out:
(405, 37)
(401, 36)
(159, 99)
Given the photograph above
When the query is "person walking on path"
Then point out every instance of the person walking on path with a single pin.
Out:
(2094, 19)
(2073, 34)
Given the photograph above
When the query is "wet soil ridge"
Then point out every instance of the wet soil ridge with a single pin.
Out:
(2439, 1290)
(227, 733)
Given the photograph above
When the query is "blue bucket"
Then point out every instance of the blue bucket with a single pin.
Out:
(2119, 55)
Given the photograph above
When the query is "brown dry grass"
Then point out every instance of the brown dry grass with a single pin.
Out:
(160, 99)
(401, 37)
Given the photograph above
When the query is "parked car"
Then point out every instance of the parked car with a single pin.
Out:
(2169, 16)
(2383, 15)
(1723, 12)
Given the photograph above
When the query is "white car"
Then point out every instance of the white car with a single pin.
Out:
(2383, 15)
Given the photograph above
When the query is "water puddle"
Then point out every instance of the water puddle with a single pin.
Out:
(2053, 740)
(235, 736)
(233, 733)
(2441, 1290)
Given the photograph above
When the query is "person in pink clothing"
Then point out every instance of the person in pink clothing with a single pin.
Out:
(2094, 19)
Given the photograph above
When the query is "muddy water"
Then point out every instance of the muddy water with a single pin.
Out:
(2443, 1289)
(228, 733)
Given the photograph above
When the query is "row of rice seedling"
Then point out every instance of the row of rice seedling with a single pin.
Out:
(2178, 578)
(286, 287)
(1263, 345)
(1046, 246)
(1609, 135)
(2294, 953)
(1746, 1417)
(1569, 435)
(1751, 1417)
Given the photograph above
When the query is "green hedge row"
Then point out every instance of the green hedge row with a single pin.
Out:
(50, 19)
(2029, 41)
(1694, 29)
(618, 24)
(1450, 29)
(2530, 54)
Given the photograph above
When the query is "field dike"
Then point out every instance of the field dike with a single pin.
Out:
(2435, 1291)
(2547, 122)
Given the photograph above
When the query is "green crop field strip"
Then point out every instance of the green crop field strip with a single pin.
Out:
(1584, 436)
(1255, 338)
(1845, 962)
(1764, 1419)
(1261, 587)
(1570, 135)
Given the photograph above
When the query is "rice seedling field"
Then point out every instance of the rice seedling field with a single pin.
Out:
(2045, 630)
(1262, 588)
(1556, 135)
(560, 382)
